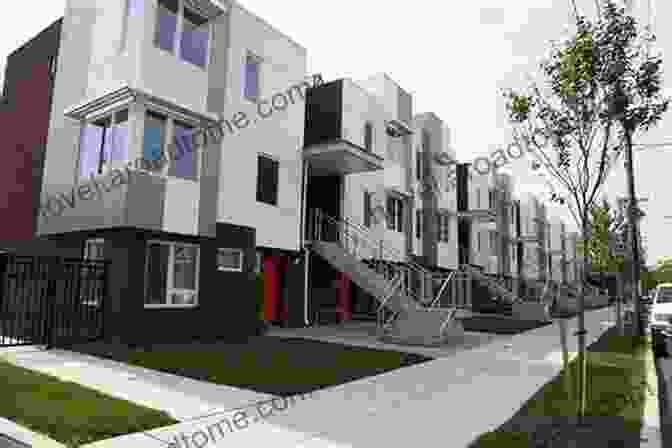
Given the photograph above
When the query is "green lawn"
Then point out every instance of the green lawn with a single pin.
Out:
(67, 412)
(615, 405)
(278, 366)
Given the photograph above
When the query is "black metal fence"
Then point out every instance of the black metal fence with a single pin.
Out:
(51, 301)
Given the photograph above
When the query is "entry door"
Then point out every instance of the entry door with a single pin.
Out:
(324, 193)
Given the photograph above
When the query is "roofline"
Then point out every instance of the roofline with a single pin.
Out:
(25, 44)
(236, 4)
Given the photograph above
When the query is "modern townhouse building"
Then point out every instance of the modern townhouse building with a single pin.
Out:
(506, 231)
(435, 220)
(119, 81)
(533, 242)
(357, 150)
(295, 182)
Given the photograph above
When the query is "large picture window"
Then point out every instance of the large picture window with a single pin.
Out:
(171, 274)
(103, 144)
(188, 38)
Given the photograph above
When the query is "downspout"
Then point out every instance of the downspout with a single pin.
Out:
(306, 254)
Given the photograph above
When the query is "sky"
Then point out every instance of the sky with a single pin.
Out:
(454, 60)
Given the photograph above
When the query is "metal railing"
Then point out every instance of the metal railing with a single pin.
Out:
(356, 240)
(442, 289)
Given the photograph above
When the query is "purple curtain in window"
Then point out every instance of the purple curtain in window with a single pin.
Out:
(119, 143)
(184, 164)
(194, 40)
(166, 25)
(89, 150)
(251, 77)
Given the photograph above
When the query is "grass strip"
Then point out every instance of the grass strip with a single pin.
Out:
(67, 412)
(277, 366)
(616, 395)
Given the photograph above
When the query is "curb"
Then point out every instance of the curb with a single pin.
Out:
(651, 436)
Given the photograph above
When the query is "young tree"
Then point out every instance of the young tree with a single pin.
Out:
(599, 87)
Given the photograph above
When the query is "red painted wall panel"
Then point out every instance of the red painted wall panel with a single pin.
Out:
(270, 288)
(24, 126)
(344, 296)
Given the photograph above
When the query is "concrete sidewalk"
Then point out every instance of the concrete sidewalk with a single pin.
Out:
(448, 401)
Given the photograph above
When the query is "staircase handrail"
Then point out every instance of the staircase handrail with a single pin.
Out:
(450, 317)
(442, 289)
(390, 291)
(351, 231)
(512, 298)
(378, 243)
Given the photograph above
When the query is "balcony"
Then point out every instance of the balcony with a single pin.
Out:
(347, 130)
(340, 157)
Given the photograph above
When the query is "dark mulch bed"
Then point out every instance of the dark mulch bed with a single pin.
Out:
(278, 366)
(559, 428)
(499, 325)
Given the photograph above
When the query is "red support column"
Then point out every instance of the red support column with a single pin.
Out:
(271, 297)
(344, 297)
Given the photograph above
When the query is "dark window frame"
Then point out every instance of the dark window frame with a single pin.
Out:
(268, 169)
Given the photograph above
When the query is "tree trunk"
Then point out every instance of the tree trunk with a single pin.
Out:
(581, 333)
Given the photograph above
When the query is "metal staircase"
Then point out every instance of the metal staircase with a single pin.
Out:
(494, 286)
(385, 273)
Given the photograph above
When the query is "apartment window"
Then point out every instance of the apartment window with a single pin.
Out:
(166, 24)
(493, 242)
(192, 33)
(418, 165)
(267, 180)
(444, 227)
(230, 260)
(93, 249)
(491, 198)
(194, 38)
(367, 209)
(183, 160)
(368, 136)
(252, 69)
(184, 164)
(102, 142)
(395, 214)
(425, 141)
(418, 223)
(478, 240)
(478, 198)
(171, 274)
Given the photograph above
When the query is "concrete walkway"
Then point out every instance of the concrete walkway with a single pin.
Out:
(363, 334)
(446, 402)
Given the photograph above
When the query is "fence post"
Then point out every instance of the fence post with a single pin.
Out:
(52, 278)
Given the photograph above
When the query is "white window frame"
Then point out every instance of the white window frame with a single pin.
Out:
(177, 38)
(231, 250)
(170, 274)
(87, 256)
(260, 62)
(91, 242)
(168, 140)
